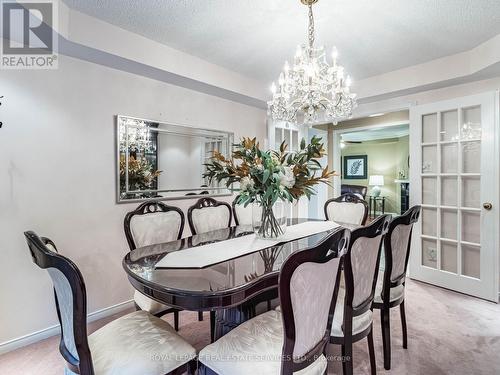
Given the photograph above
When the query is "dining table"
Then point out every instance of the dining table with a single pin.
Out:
(184, 274)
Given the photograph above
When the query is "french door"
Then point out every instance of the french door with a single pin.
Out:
(455, 178)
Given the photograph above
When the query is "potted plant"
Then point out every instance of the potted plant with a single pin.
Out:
(268, 179)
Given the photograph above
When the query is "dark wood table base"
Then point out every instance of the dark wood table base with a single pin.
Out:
(230, 318)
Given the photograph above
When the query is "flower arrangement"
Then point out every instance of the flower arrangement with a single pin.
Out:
(141, 173)
(267, 177)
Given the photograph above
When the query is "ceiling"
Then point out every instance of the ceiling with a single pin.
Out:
(388, 132)
(255, 37)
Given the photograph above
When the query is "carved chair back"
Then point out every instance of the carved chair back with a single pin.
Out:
(208, 214)
(347, 208)
(308, 287)
(153, 222)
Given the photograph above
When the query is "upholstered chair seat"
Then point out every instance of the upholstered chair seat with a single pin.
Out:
(254, 347)
(359, 323)
(148, 304)
(138, 343)
(395, 292)
(135, 344)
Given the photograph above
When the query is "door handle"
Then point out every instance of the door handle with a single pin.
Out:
(487, 206)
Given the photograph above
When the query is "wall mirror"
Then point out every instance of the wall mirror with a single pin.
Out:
(165, 161)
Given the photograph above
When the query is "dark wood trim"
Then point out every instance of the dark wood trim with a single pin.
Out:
(149, 207)
(204, 203)
(347, 198)
(410, 217)
(339, 241)
(377, 228)
(233, 206)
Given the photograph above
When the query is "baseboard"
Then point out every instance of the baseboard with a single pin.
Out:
(31, 338)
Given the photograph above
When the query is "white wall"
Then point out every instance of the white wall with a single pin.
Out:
(57, 176)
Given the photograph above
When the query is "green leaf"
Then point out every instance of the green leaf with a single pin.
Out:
(268, 193)
(303, 144)
(266, 176)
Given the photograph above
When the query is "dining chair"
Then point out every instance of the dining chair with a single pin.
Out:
(353, 318)
(137, 343)
(291, 340)
(153, 222)
(242, 214)
(347, 208)
(207, 214)
(390, 289)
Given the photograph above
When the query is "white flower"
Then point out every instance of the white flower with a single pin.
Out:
(260, 167)
(246, 183)
(276, 160)
(287, 179)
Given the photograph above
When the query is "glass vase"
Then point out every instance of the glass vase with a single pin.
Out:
(269, 221)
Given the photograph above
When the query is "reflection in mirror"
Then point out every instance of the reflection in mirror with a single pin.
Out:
(166, 161)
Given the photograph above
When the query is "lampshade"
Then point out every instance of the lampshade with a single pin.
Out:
(376, 180)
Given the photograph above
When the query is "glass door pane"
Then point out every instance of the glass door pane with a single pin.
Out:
(455, 171)
(451, 180)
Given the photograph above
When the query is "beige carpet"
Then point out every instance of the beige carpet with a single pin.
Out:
(448, 333)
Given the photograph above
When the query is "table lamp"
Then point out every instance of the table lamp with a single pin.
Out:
(376, 181)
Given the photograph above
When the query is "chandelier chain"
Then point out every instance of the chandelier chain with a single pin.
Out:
(311, 26)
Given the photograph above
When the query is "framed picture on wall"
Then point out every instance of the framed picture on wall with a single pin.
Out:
(355, 167)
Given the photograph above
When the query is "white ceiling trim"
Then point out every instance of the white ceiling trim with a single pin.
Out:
(384, 132)
(131, 52)
(448, 70)
(88, 31)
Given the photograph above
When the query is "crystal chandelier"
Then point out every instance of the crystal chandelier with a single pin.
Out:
(135, 135)
(312, 90)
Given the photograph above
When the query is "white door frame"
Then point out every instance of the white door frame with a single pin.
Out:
(441, 278)
(337, 152)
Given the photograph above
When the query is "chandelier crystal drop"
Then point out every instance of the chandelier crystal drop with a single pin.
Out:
(311, 90)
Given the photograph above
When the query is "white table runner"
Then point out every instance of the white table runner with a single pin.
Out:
(205, 255)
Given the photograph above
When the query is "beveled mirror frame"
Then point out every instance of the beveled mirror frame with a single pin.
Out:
(173, 128)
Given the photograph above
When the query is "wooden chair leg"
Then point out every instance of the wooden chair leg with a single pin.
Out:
(403, 324)
(212, 326)
(200, 316)
(371, 351)
(347, 366)
(386, 337)
(192, 367)
(176, 320)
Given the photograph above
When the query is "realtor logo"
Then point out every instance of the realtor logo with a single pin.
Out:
(29, 40)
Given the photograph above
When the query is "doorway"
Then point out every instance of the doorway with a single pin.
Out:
(371, 157)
